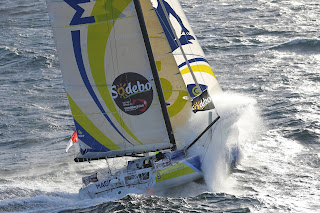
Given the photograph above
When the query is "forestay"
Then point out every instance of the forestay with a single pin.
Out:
(107, 77)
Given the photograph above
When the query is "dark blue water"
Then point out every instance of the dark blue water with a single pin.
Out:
(266, 55)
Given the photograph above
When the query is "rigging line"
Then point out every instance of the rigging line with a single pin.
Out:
(162, 22)
(179, 44)
(179, 143)
(205, 148)
(117, 62)
(202, 133)
(111, 49)
(193, 55)
(108, 166)
(163, 25)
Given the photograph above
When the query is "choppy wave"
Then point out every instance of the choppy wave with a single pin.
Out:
(213, 203)
(63, 203)
(300, 45)
(11, 57)
(37, 201)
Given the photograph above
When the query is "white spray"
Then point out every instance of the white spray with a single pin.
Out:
(238, 125)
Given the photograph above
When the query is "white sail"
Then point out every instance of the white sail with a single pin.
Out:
(178, 24)
(174, 88)
(107, 76)
(190, 65)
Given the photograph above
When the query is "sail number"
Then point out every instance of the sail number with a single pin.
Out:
(77, 18)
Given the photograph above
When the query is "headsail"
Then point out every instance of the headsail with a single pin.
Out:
(108, 78)
(190, 65)
(190, 46)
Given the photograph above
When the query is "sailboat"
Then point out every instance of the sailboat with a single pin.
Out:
(137, 80)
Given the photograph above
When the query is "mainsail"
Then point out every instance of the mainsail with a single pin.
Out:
(108, 78)
(113, 90)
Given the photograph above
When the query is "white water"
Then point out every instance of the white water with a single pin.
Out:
(238, 126)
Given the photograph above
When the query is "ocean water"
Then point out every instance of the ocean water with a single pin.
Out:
(266, 56)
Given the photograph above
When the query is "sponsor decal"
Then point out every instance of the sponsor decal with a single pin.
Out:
(132, 93)
(202, 102)
(102, 184)
(80, 134)
(193, 90)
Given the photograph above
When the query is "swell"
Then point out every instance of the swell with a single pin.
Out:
(300, 45)
(13, 60)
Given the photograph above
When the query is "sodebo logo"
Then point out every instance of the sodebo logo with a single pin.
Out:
(202, 104)
(132, 93)
(125, 90)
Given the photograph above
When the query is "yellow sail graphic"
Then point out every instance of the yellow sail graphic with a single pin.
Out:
(108, 77)
(172, 83)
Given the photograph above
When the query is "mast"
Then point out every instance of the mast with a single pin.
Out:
(180, 46)
(155, 73)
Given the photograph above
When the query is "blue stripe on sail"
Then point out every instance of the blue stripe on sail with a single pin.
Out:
(184, 37)
(79, 59)
(86, 138)
(192, 60)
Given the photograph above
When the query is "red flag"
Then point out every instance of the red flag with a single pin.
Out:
(73, 139)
